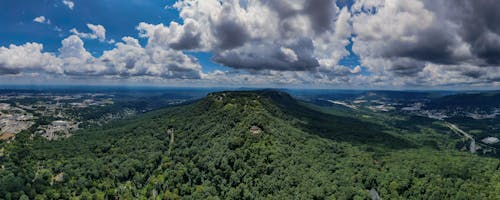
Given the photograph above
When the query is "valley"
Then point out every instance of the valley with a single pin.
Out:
(250, 100)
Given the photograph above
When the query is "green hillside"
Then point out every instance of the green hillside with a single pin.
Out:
(242, 145)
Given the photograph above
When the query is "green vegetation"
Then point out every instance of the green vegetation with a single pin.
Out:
(206, 150)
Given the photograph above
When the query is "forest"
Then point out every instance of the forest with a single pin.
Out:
(247, 145)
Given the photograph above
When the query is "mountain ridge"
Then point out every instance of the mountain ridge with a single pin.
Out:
(301, 115)
(207, 150)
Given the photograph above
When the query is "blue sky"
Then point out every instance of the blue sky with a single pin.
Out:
(120, 17)
(316, 43)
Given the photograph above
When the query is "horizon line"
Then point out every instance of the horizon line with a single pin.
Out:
(81, 86)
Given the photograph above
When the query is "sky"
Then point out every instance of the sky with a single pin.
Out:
(342, 44)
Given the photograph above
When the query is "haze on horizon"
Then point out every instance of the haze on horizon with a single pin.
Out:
(358, 44)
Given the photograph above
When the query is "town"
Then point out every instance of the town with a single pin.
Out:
(53, 115)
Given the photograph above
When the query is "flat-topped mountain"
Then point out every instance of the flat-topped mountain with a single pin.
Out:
(242, 145)
(300, 115)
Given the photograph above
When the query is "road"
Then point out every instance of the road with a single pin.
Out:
(453, 127)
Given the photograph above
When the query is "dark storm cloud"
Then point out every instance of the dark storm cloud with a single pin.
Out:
(241, 52)
(187, 41)
(432, 45)
(474, 73)
(5, 70)
(321, 14)
(480, 21)
(428, 41)
(476, 23)
(230, 34)
(263, 35)
(294, 57)
(407, 67)
(283, 8)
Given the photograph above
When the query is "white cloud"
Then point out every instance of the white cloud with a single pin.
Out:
(258, 35)
(406, 42)
(69, 3)
(127, 59)
(400, 43)
(72, 47)
(98, 32)
(277, 42)
(289, 54)
(28, 57)
(41, 20)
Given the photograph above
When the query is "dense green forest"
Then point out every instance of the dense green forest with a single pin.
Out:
(246, 145)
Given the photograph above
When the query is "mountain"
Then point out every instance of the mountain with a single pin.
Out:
(483, 99)
(242, 145)
(377, 95)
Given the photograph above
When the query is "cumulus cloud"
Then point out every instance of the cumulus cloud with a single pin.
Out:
(174, 36)
(28, 57)
(127, 59)
(280, 41)
(69, 3)
(416, 37)
(399, 43)
(258, 35)
(130, 59)
(41, 20)
(72, 47)
(480, 27)
(98, 32)
(340, 76)
(297, 56)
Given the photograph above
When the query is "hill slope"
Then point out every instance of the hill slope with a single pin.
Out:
(240, 145)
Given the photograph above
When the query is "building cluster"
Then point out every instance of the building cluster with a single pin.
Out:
(57, 129)
(19, 112)
(13, 120)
